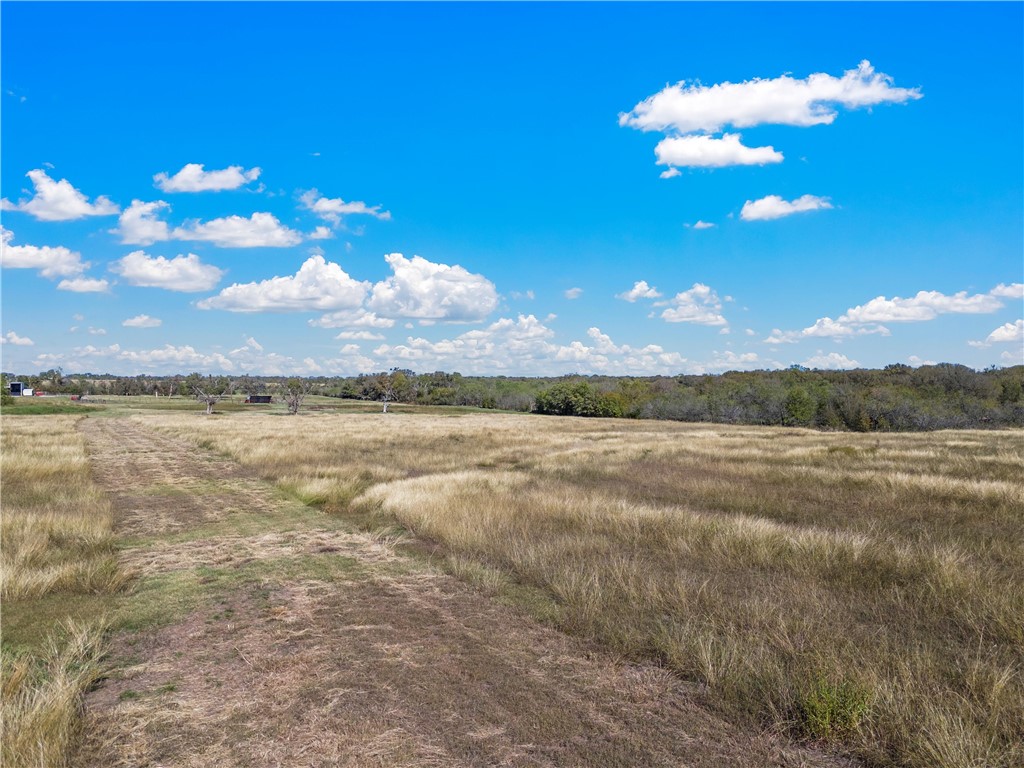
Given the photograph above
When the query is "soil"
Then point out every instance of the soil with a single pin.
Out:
(385, 667)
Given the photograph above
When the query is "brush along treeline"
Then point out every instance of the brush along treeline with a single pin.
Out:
(861, 590)
(897, 398)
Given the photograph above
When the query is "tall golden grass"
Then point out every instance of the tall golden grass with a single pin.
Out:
(55, 537)
(865, 591)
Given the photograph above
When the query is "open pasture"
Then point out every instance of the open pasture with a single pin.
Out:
(860, 590)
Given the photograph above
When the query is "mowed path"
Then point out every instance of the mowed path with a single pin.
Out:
(290, 640)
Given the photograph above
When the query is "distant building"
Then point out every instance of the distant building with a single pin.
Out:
(18, 389)
(258, 399)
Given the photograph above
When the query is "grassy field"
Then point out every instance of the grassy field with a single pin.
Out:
(57, 562)
(864, 591)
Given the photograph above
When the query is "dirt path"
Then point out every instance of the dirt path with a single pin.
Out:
(316, 646)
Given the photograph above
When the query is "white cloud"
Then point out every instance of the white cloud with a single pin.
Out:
(321, 233)
(1006, 333)
(51, 262)
(142, 321)
(332, 209)
(261, 230)
(19, 341)
(640, 290)
(83, 285)
(140, 223)
(700, 304)
(831, 361)
(170, 357)
(774, 207)
(692, 108)
(318, 285)
(192, 178)
(701, 225)
(573, 293)
(59, 201)
(182, 273)
(926, 305)
(710, 152)
(825, 327)
(671, 173)
(1013, 358)
(866, 319)
(731, 361)
(1011, 291)
(352, 318)
(360, 335)
(525, 346)
(97, 331)
(424, 290)
(916, 361)
(519, 295)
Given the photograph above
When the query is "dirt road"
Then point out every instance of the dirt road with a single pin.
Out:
(285, 639)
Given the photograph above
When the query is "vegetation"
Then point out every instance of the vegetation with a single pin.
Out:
(896, 399)
(859, 590)
(56, 554)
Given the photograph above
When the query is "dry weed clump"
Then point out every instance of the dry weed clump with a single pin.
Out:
(42, 697)
(861, 590)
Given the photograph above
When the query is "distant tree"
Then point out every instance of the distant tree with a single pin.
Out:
(295, 391)
(211, 391)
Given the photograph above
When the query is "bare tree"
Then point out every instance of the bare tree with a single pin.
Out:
(212, 392)
(295, 392)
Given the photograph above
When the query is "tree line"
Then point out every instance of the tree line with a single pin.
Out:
(894, 398)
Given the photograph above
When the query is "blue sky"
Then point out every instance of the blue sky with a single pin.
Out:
(510, 188)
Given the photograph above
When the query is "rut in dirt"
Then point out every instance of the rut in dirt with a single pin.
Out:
(387, 664)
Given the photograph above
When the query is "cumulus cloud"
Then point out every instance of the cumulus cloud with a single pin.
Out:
(774, 207)
(710, 152)
(261, 230)
(83, 285)
(925, 305)
(693, 107)
(1011, 291)
(831, 361)
(691, 112)
(59, 201)
(352, 318)
(526, 345)
(13, 338)
(1006, 333)
(50, 262)
(731, 361)
(573, 293)
(700, 304)
(867, 318)
(318, 285)
(321, 233)
(424, 290)
(640, 290)
(140, 224)
(184, 273)
(170, 357)
(142, 321)
(333, 209)
(192, 178)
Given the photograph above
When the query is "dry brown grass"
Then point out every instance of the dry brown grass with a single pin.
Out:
(42, 697)
(55, 537)
(856, 589)
(56, 531)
